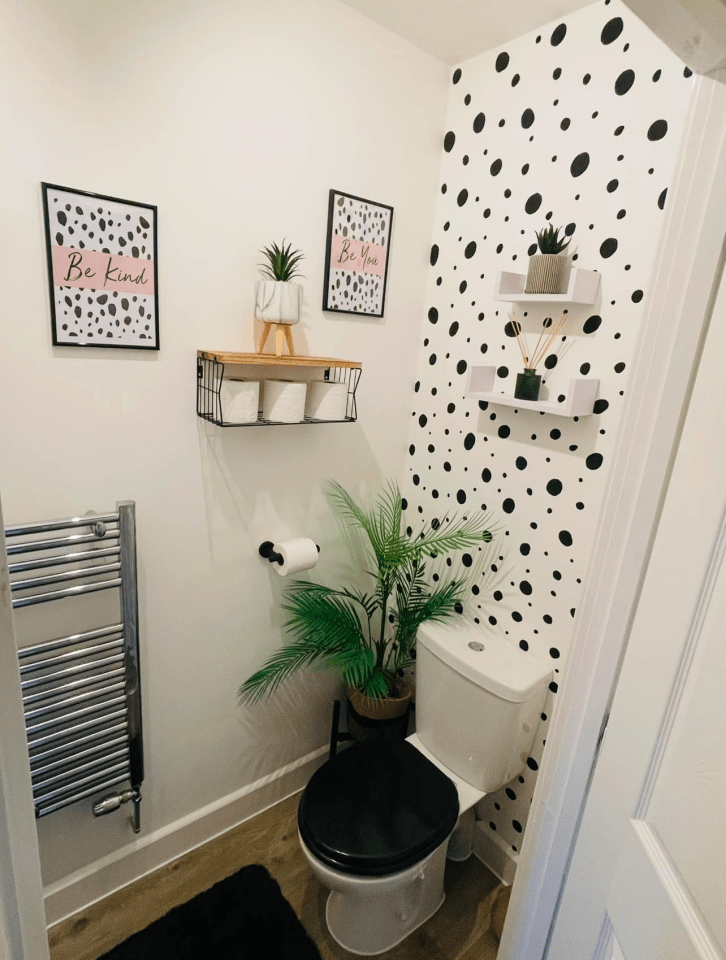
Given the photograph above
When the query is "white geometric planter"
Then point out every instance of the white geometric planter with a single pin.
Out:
(278, 301)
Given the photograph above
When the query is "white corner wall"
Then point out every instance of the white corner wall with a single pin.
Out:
(579, 124)
(235, 118)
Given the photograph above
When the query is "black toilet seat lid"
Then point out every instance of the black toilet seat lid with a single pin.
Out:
(377, 808)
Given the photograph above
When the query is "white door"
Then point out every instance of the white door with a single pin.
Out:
(648, 875)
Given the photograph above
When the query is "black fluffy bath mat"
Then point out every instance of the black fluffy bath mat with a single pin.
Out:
(241, 918)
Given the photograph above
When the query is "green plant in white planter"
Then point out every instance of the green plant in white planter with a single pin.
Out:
(279, 299)
(549, 271)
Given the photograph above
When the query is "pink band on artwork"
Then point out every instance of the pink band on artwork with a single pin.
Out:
(91, 269)
(358, 255)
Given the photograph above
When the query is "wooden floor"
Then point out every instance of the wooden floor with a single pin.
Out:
(460, 930)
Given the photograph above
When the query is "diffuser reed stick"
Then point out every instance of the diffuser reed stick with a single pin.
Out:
(547, 336)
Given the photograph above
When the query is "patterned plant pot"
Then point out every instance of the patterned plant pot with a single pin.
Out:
(527, 385)
(547, 273)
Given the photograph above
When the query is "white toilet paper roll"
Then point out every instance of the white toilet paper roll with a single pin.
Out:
(326, 401)
(298, 554)
(284, 401)
(240, 400)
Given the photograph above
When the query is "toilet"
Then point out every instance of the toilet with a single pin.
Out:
(376, 820)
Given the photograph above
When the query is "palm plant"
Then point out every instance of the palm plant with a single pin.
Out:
(369, 636)
(283, 263)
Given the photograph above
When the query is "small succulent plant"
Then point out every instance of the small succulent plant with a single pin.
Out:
(549, 240)
(282, 262)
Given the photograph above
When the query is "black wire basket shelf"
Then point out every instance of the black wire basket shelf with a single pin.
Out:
(211, 368)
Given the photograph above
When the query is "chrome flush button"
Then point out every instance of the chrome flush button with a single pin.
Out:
(475, 645)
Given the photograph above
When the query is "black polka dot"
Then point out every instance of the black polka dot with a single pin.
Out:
(591, 324)
(521, 463)
(449, 141)
(554, 488)
(504, 431)
(433, 315)
(624, 82)
(608, 247)
(457, 75)
(434, 254)
(612, 186)
(619, 367)
(662, 198)
(469, 441)
(461, 366)
(636, 296)
(657, 130)
(527, 118)
(463, 197)
(508, 505)
(593, 461)
(600, 406)
(558, 35)
(565, 538)
(470, 249)
(534, 202)
(580, 164)
(612, 30)
(495, 167)
(502, 62)
(479, 121)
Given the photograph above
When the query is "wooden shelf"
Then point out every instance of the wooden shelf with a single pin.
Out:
(269, 359)
(579, 399)
(582, 288)
(211, 374)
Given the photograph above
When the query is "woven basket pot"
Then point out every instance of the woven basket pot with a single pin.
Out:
(387, 709)
(370, 719)
(547, 273)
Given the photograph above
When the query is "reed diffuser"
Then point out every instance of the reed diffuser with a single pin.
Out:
(528, 383)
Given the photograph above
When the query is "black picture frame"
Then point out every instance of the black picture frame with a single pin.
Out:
(341, 287)
(117, 314)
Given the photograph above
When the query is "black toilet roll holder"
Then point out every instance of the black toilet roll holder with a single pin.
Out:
(268, 552)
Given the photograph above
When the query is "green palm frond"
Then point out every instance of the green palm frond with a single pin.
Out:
(321, 617)
(378, 685)
(277, 668)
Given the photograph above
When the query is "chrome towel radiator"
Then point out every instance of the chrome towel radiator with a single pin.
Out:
(81, 692)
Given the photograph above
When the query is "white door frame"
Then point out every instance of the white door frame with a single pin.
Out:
(683, 286)
(23, 934)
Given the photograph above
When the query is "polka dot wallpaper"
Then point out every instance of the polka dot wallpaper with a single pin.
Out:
(578, 125)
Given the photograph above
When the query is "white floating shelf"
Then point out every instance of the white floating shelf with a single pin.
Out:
(582, 288)
(579, 396)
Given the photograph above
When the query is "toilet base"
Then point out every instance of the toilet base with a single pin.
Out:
(369, 925)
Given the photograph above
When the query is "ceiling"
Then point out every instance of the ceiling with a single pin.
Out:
(454, 30)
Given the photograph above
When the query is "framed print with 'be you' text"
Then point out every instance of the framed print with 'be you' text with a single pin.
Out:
(356, 255)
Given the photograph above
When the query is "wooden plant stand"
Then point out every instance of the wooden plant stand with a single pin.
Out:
(282, 330)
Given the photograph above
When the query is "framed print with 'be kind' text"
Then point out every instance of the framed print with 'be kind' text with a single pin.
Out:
(102, 264)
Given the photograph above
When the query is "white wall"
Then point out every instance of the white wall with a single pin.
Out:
(235, 118)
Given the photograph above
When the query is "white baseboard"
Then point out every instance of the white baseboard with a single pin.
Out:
(96, 881)
(494, 853)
